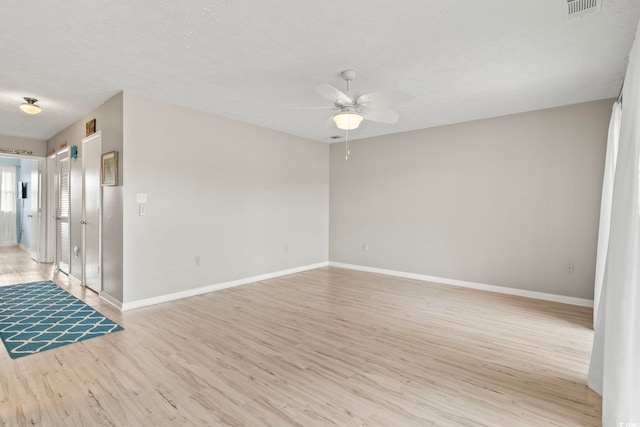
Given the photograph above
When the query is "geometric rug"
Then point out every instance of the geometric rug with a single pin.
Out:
(39, 316)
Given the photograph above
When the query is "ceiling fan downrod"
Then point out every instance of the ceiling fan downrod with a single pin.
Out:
(349, 75)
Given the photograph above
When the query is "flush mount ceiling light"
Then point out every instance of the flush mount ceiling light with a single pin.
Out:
(348, 119)
(29, 106)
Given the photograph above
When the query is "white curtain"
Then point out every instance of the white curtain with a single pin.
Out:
(605, 205)
(615, 361)
(8, 198)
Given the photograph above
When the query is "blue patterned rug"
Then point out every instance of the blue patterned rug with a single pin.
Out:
(39, 316)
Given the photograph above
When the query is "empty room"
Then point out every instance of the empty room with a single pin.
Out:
(358, 213)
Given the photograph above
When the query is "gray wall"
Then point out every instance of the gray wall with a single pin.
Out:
(508, 201)
(38, 146)
(232, 193)
(109, 119)
(9, 161)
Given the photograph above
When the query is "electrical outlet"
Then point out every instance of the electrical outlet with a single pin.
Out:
(571, 268)
(365, 247)
(196, 261)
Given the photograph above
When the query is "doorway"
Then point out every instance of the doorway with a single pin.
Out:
(91, 208)
(24, 204)
(25, 216)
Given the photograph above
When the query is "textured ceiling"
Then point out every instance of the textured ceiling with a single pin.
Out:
(259, 61)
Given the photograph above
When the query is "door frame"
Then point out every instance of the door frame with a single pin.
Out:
(38, 212)
(50, 223)
(44, 211)
(97, 135)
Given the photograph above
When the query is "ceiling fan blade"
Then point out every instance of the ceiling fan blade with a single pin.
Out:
(382, 115)
(385, 98)
(330, 123)
(310, 108)
(333, 94)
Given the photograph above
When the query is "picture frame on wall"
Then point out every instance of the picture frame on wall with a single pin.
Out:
(91, 127)
(110, 168)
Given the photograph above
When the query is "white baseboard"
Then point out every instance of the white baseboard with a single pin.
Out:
(473, 285)
(24, 248)
(74, 280)
(111, 300)
(216, 287)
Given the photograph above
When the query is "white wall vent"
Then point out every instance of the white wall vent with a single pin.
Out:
(576, 8)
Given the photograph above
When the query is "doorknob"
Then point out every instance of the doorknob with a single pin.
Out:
(58, 218)
(30, 216)
(83, 222)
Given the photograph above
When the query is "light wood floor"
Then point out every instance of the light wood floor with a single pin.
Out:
(324, 347)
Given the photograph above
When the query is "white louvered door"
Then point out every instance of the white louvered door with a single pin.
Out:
(63, 237)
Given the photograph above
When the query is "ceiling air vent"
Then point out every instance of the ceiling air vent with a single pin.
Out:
(576, 8)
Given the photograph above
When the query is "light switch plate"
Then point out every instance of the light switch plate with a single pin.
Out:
(141, 197)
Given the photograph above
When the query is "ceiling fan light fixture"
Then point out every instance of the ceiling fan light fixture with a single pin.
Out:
(30, 106)
(348, 120)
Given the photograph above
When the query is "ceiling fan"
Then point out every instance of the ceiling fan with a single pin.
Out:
(374, 106)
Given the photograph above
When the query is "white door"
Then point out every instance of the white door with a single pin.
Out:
(63, 236)
(50, 252)
(34, 215)
(91, 202)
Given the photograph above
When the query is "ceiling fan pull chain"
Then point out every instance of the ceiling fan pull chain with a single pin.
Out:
(346, 145)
